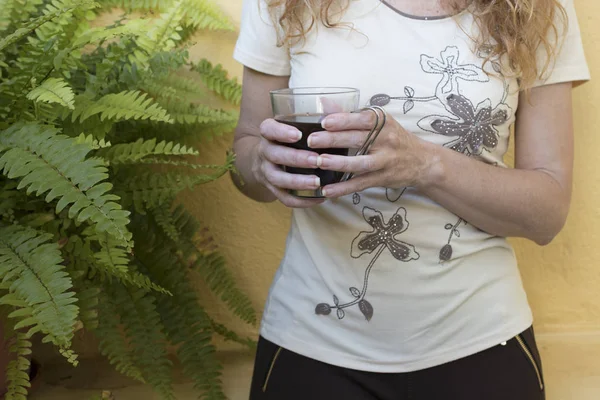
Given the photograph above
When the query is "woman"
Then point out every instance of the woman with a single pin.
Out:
(401, 285)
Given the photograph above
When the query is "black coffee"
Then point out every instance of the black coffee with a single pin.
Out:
(307, 124)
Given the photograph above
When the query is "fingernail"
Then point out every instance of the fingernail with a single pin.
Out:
(296, 135)
(309, 141)
(314, 160)
(317, 181)
(329, 122)
(319, 161)
(324, 192)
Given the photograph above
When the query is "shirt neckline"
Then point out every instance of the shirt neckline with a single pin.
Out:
(425, 18)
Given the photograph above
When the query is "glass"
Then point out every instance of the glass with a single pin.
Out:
(304, 109)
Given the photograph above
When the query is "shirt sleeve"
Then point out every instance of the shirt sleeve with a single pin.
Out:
(569, 63)
(256, 46)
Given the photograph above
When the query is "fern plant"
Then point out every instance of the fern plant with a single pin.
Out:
(98, 129)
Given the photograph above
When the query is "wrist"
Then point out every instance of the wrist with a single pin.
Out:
(432, 171)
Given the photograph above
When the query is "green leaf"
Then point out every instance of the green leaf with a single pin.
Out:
(33, 268)
(16, 375)
(39, 21)
(205, 14)
(217, 80)
(55, 165)
(54, 90)
(127, 105)
(127, 153)
(92, 142)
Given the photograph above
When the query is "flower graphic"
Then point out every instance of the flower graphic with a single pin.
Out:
(383, 236)
(451, 70)
(474, 126)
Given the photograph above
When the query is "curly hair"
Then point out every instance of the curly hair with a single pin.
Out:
(517, 29)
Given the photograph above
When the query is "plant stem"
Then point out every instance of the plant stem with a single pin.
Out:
(363, 292)
(420, 99)
(454, 229)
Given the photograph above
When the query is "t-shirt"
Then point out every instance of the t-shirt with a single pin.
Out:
(388, 280)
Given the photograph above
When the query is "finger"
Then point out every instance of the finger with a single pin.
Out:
(354, 185)
(278, 132)
(356, 164)
(290, 157)
(281, 179)
(291, 201)
(349, 121)
(353, 139)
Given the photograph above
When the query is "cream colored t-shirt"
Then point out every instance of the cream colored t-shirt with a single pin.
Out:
(387, 280)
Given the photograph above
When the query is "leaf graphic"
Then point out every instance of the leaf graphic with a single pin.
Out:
(323, 309)
(356, 198)
(340, 313)
(336, 301)
(408, 105)
(497, 67)
(448, 226)
(446, 253)
(380, 100)
(355, 292)
(366, 308)
(409, 92)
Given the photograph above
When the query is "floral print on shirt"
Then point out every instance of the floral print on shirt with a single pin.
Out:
(471, 129)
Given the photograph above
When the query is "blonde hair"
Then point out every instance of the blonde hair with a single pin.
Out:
(517, 29)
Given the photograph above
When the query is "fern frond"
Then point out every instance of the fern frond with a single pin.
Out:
(71, 22)
(211, 266)
(193, 133)
(13, 12)
(91, 126)
(88, 306)
(93, 143)
(112, 260)
(134, 27)
(17, 377)
(39, 21)
(54, 90)
(187, 325)
(172, 86)
(204, 14)
(175, 163)
(39, 286)
(163, 35)
(219, 279)
(164, 219)
(184, 112)
(231, 336)
(54, 164)
(216, 79)
(132, 152)
(141, 322)
(137, 5)
(114, 345)
(126, 105)
(155, 189)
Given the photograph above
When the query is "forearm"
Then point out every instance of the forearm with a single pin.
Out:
(503, 202)
(245, 149)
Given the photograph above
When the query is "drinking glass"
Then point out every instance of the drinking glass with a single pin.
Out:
(305, 108)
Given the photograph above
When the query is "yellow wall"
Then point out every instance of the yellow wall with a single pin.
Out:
(562, 280)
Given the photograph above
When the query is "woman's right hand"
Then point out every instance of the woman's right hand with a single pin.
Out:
(270, 155)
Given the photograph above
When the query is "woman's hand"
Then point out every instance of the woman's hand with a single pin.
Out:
(270, 155)
(397, 158)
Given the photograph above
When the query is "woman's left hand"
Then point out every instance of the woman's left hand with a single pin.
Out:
(396, 159)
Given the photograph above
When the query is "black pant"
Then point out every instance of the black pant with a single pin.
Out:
(505, 372)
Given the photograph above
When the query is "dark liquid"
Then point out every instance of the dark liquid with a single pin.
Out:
(307, 124)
